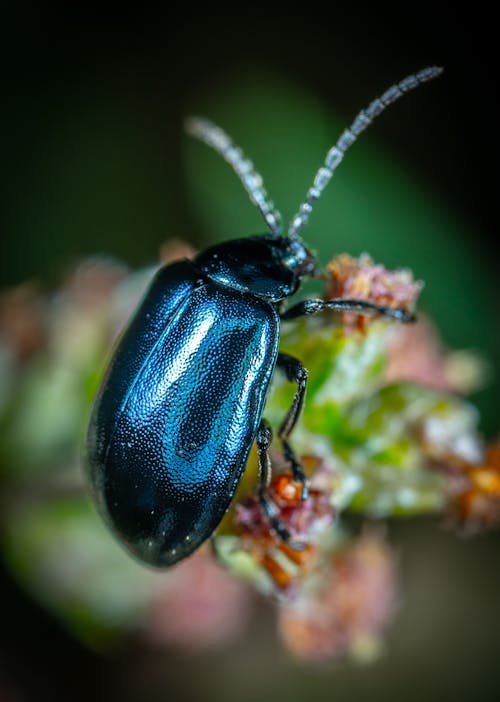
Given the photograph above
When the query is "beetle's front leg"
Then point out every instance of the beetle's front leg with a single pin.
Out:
(345, 305)
(295, 373)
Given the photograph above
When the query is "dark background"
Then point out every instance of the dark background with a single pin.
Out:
(156, 65)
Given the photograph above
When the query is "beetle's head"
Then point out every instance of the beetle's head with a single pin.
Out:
(268, 266)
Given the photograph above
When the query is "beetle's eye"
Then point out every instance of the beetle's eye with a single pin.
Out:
(299, 260)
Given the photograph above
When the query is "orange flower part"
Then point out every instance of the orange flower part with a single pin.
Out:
(478, 504)
(304, 519)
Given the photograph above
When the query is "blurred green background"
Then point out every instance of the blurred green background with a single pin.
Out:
(95, 161)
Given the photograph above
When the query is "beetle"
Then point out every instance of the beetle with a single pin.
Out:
(182, 401)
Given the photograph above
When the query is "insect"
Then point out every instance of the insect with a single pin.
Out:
(182, 401)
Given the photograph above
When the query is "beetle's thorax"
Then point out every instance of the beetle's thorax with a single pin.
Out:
(267, 266)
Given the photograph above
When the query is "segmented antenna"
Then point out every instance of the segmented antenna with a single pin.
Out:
(217, 138)
(336, 153)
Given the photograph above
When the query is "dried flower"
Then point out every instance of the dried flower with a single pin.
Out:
(417, 354)
(346, 608)
(362, 279)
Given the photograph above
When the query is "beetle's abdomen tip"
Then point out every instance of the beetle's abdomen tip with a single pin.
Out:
(153, 554)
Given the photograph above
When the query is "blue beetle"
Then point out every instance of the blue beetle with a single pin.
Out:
(182, 401)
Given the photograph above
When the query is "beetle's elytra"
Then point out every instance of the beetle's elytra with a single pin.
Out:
(183, 398)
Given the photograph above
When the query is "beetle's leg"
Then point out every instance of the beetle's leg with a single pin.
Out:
(344, 305)
(295, 373)
(264, 438)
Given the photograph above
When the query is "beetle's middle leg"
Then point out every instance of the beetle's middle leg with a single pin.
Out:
(295, 373)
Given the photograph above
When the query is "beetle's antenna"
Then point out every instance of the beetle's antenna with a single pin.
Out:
(217, 138)
(336, 153)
